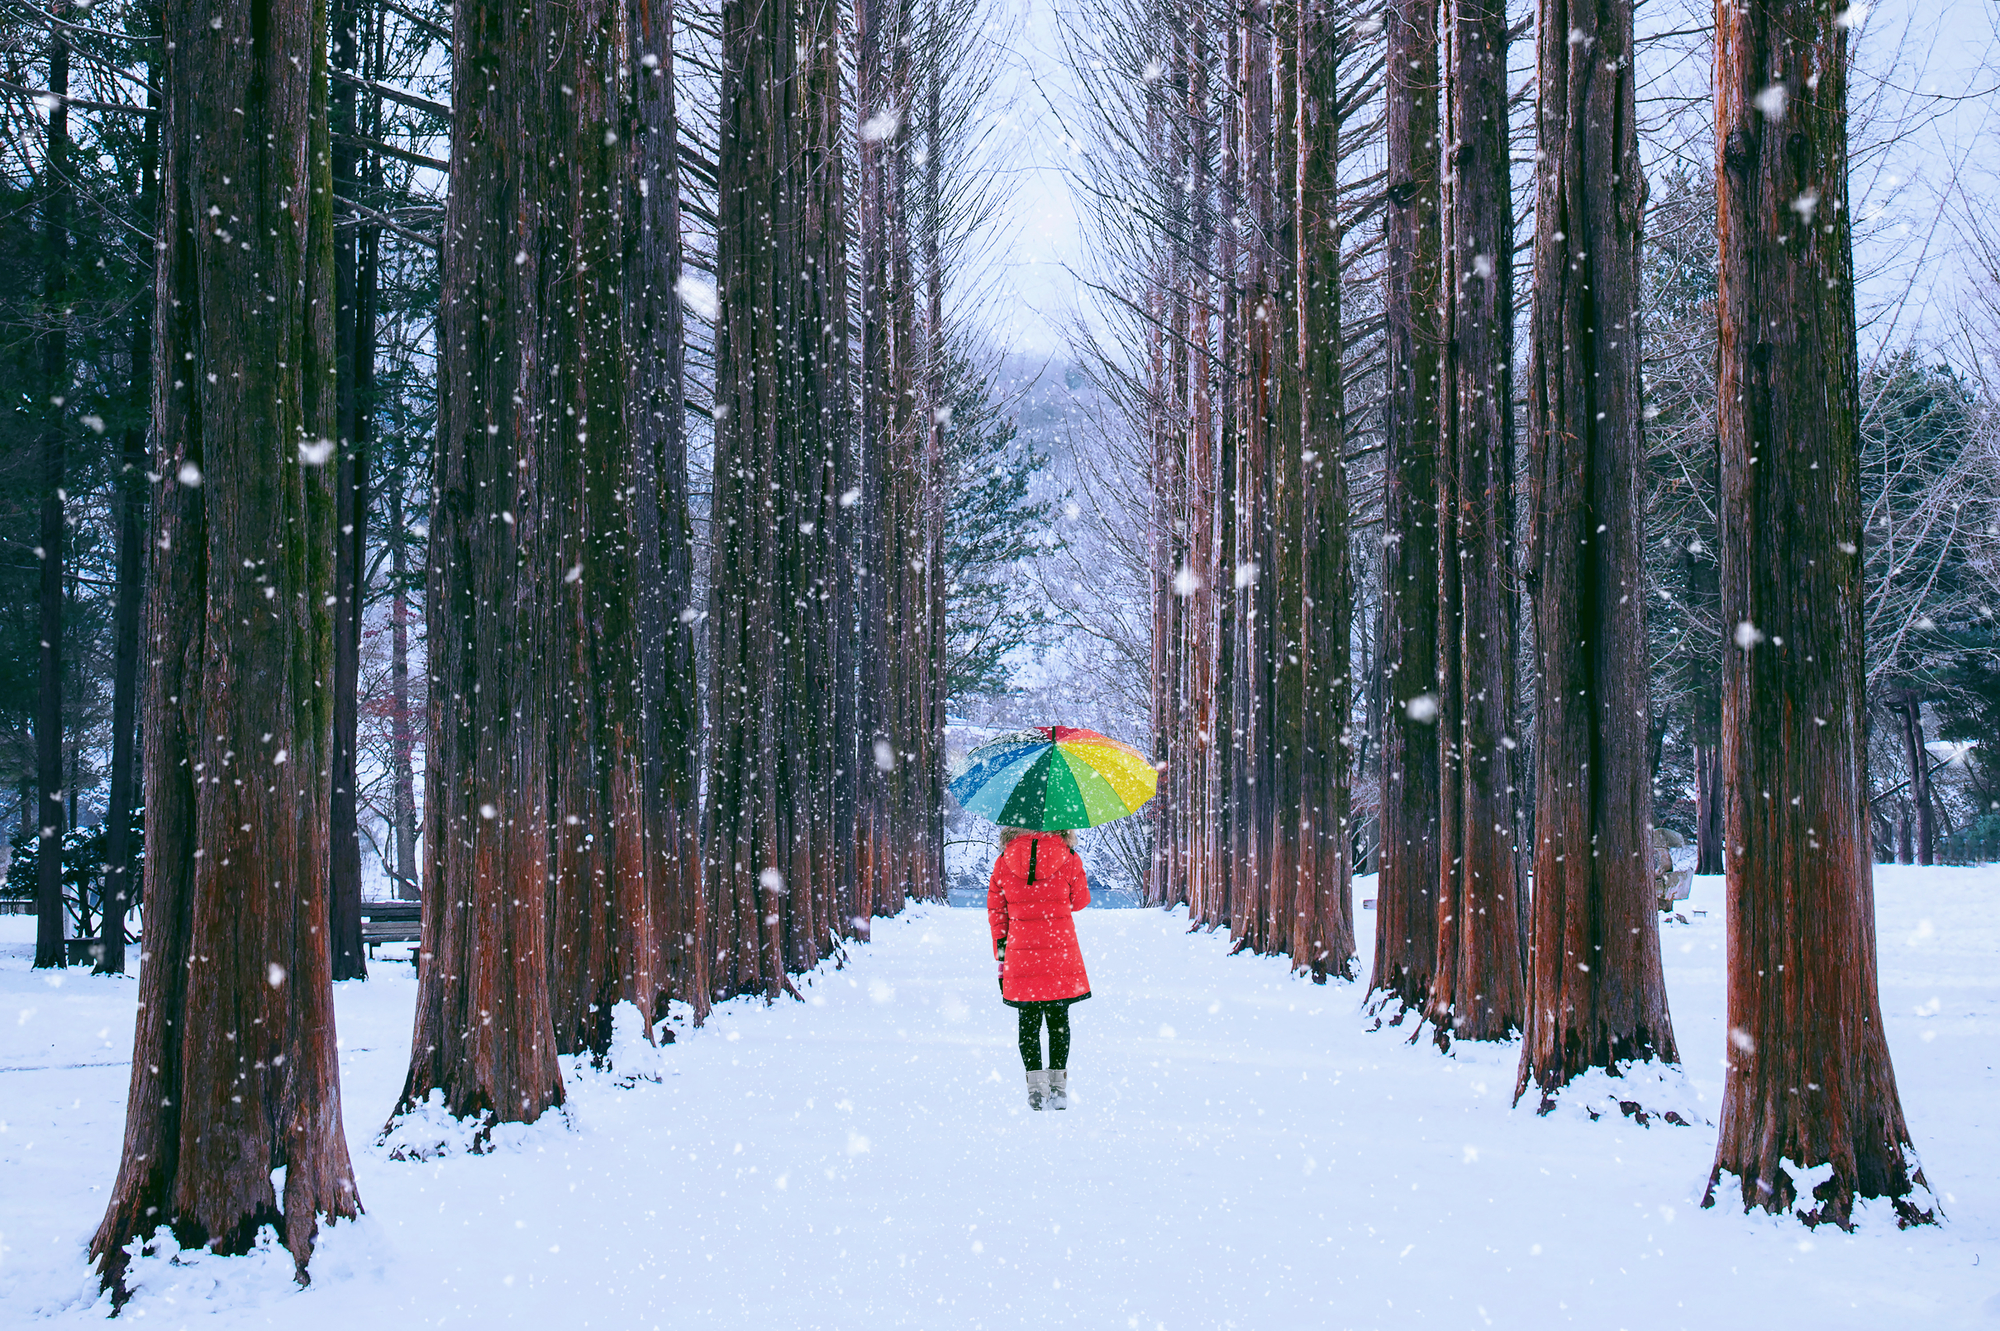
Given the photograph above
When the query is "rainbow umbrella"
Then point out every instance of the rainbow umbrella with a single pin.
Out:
(1053, 778)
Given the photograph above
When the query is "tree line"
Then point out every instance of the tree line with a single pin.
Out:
(623, 338)
(1478, 582)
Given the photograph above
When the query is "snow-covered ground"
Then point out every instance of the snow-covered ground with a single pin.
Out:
(1242, 1152)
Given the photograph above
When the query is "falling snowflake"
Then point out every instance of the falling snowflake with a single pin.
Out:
(698, 296)
(1772, 101)
(882, 125)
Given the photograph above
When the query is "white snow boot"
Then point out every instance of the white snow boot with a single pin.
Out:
(1058, 1088)
(1038, 1089)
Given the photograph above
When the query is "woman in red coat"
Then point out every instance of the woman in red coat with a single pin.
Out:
(1038, 882)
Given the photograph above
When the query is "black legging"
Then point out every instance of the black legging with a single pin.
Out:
(1031, 1034)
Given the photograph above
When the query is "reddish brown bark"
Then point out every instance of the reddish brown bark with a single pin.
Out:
(1185, 813)
(604, 939)
(898, 769)
(484, 1037)
(234, 1069)
(1283, 879)
(1252, 560)
(1808, 1081)
(1323, 931)
(778, 656)
(1477, 989)
(1597, 998)
(655, 338)
(1406, 889)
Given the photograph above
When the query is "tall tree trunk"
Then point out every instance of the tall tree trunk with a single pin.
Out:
(935, 347)
(655, 335)
(235, 1073)
(1478, 988)
(355, 355)
(1254, 576)
(896, 560)
(1808, 1080)
(781, 382)
(1910, 715)
(1221, 908)
(133, 508)
(1193, 852)
(1406, 919)
(1325, 755)
(402, 736)
(1708, 809)
(1597, 998)
(603, 940)
(1200, 619)
(55, 387)
(1704, 592)
(1165, 342)
(484, 1038)
(1286, 862)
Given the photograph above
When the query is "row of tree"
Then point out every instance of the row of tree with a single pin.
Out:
(601, 823)
(1510, 710)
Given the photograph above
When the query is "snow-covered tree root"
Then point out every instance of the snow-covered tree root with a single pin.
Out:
(1837, 1194)
(1647, 1092)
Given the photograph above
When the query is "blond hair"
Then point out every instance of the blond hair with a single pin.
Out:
(1007, 835)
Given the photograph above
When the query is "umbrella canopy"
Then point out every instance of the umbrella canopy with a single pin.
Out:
(1053, 778)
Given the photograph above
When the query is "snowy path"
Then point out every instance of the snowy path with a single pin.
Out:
(1242, 1153)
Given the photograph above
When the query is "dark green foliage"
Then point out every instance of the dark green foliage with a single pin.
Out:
(83, 870)
(994, 523)
(1928, 521)
(1969, 707)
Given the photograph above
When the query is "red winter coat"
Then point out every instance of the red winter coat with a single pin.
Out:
(1042, 963)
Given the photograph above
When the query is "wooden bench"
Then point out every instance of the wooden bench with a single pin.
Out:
(391, 922)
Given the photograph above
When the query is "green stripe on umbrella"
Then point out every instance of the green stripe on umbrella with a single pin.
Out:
(1054, 778)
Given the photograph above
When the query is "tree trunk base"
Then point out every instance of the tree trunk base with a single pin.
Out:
(1833, 1197)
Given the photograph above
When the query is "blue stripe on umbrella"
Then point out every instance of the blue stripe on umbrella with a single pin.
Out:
(993, 755)
(987, 795)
